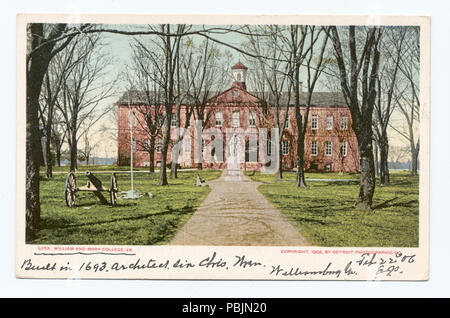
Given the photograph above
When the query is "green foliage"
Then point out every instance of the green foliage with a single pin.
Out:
(325, 211)
(143, 221)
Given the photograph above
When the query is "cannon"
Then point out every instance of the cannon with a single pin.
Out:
(93, 185)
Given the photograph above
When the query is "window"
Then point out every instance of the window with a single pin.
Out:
(314, 148)
(187, 145)
(252, 119)
(159, 120)
(235, 119)
(235, 93)
(158, 145)
(145, 145)
(314, 122)
(269, 147)
(344, 149)
(344, 123)
(251, 151)
(329, 122)
(285, 147)
(328, 148)
(218, 118)
(173, 121)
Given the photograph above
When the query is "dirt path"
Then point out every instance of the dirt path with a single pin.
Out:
(235, 213)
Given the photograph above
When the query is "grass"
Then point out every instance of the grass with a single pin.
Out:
(325, 211)
(142, 221)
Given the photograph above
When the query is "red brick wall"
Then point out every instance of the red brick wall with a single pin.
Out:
(245, 103)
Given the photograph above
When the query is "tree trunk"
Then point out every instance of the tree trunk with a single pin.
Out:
(173, 167)
(49, 156)
(367, 181)
(152, 153)
(279, 174)
(33, 210)
(73, 153)
(38, 65)
(165, 146)
(300, 181)
(414, 162)
(384, 164)
(58, 156)
(377, 167)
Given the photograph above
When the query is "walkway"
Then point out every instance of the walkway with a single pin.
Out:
(235, 213)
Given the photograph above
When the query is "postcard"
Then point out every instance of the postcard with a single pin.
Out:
(224, 147)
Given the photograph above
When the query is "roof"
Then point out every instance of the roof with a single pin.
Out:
(239, 65)
(324, 99)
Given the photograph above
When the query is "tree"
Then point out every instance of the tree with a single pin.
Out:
(164, 56)
(315, 65)
(44, 42)
(358, 78)
(407, 98)
(83, 90)
(54, 80)
(272, 79)
(387, 83)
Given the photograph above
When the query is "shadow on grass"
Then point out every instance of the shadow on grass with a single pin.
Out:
(60, 224)
(386, 204)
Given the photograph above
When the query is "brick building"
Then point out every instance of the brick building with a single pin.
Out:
(233, 131)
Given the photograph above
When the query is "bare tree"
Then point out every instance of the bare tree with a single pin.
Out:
(44, 42)
(358, 77)
(391, 48)
(85, 88)
(315, 65)
(407, 98)
(164, 56)
(209, 79)
(270, 76)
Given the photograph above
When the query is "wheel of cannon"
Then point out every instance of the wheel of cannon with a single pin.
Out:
(113, 190)
(70, 189)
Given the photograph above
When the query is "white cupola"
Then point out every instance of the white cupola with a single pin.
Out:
(239, 72)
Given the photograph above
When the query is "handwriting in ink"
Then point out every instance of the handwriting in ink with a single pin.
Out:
(211, 262)
(29, 266)
(243, 262)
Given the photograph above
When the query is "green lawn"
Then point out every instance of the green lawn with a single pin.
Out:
(143, 221)
(325, 214)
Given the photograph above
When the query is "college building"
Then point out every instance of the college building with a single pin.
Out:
(237, 127)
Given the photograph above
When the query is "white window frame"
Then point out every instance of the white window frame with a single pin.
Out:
(252, 119)
(314, 148)
(330, 148)
(285, 147)
(329, 122)
(269, 147)
(235, 122)
(314, 122)
(158, 145)
(146, 144)
(187, 144)
(218, 120)
(344, 149)
(173, 121)
(344, 123)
